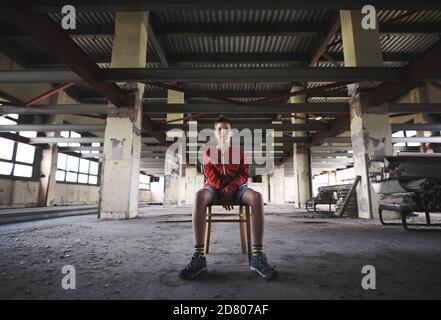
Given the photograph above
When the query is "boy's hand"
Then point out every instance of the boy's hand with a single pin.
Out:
(227, 198)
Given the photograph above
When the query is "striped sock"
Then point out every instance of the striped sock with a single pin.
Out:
(199, 249)
(257, 248)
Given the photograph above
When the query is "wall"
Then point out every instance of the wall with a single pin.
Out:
(289, 190)
(70, 194)
(157, 191)
(18, 193)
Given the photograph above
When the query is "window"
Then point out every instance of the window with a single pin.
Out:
(76, 170)
(16, 158)
(144, 182)
(402, 134)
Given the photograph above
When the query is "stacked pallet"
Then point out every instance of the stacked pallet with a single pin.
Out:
(427, 192)
(352, 207)
(326, 194)
(420, 176)
(413, 167)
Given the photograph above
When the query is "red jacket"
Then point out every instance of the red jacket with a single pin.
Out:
(224, 173)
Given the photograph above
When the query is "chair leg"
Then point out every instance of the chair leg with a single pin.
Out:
(207, 229)
(243, 229)
(248, 226)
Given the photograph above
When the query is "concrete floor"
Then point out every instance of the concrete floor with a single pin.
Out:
(318, 258)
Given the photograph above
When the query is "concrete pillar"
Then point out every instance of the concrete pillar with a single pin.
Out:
(48, 167)
(277, 185)
(265, 188)
(174, 183)
(122, 138)
(302, 169)
(277, 179)
(370, 126)
(332, 178)
(49, 155)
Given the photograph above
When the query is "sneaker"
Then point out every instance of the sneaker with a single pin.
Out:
(260, 265)
(197, 265)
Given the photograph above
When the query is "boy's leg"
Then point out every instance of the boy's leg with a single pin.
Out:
(202, 199)
(255, 201)
(198, 263)
(259, 262)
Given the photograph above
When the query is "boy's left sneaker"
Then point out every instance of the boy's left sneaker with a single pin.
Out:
(260, 265)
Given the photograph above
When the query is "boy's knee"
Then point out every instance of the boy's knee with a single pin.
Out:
(257, 197)
(201, 196)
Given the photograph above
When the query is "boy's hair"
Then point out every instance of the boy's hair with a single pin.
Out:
(222, 119)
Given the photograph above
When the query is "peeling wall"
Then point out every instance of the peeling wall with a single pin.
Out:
(70, 194)
(24, 193)
(157, 191)
(18, 193)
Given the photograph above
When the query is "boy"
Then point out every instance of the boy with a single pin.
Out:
(226, 184)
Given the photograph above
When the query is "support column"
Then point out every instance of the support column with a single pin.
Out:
(302, 168)
(370, 126)
(332, 178)
(174, 184)
(265, 189)
(277, 182)
(122, 139)
(49, 156)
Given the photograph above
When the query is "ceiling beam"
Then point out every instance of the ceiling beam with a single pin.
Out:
(51, 36)
(426, 65)
(322, 45)
(331, 74)
(214, 108)
(53, 127)
(233, 109)
(45, 6)
(301, 58)
(312, 126)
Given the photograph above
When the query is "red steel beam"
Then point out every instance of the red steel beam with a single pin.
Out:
(47, 94)
(323, 45)
(428, 63)
(414, 72)
(51, 36)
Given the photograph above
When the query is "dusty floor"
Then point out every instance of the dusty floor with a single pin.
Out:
(139, 259)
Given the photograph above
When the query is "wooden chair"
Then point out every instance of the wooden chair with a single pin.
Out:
(244, 226)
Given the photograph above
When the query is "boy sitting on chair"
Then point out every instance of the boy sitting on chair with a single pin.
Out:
(226, 185)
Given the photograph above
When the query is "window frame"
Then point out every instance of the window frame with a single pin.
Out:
(14, 161)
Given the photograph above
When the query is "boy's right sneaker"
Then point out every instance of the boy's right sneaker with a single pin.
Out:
(197, 265)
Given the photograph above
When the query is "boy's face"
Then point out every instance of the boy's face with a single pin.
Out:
(222, 132)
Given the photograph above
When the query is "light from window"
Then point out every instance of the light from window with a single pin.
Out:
(6, 168)
(72, 163)
(71, 177)
(76, 170)
(84, 166)
(82, 178)
(16, 155)
(25, 153)
(93, 168)
(22, 171)
(144, 182)
(6, 148)
(93, 179)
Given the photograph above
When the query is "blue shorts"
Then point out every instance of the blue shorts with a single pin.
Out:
(237, 196)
